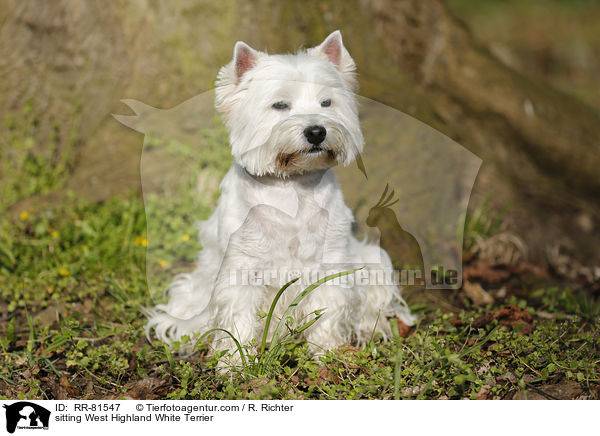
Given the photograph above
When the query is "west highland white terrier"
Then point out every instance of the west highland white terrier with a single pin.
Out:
(291, 118)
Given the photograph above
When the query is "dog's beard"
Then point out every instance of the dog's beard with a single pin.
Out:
(287, 152)
(290, 163)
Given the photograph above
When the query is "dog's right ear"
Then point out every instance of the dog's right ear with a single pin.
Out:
(244, 59)
(229, 77)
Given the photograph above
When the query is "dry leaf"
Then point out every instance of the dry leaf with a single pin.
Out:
(486, 271)
(403, 329)
(511, 316)
(477, 294)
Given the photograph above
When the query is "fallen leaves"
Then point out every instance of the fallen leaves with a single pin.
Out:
(403, 329)
(510, 316)
(69, 388)
(486, 271)
(149, 388)
(60, 388)
(485, 393)
(565, 390)
(477, 294)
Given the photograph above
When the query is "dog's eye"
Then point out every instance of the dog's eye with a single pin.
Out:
(326, 103)
(280, 105)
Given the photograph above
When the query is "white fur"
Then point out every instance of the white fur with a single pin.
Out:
(282, 216)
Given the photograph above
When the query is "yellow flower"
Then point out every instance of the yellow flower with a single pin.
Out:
(185, 238)
(54, 234)
(162, 262)
(141, 241)
(64, 272)
(24, 215)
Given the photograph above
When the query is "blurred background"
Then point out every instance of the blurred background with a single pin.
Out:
(514, 82)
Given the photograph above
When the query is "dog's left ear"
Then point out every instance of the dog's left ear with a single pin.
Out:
(333, 50)
(244, 59)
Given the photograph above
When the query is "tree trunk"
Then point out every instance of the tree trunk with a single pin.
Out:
(540, 148)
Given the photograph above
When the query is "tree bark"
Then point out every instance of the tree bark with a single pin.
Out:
(541, 148)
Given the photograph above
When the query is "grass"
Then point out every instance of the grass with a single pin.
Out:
(26, 168)
(73, 278)
(72, 285)
(261, 364)
(481, 224)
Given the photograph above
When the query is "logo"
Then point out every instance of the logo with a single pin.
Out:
(26, 415)
(413, 202)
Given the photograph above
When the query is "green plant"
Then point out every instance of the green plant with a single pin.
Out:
(28, 167)
(262, 364)
(482, 223)
(73, 277)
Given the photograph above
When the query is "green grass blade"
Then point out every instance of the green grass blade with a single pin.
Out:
(299, 298)
(271, 310)
(7, 253)
(60, 341)
(31, 340)
(397, 371)
(237, 344)
(169, 357)
(51, 366)
(311, 322)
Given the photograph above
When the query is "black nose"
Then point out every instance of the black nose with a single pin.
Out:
(315, 134)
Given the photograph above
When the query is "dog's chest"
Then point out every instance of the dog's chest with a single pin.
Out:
(295, 222)
(288, 221)
(307, 230)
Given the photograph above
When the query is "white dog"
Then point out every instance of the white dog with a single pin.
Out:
(281, 212)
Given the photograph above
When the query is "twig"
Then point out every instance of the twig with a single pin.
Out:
(101, 380)
(560, 337)
(442, 303)
(541, 392)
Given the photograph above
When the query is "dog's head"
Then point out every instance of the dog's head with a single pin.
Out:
(289, 114)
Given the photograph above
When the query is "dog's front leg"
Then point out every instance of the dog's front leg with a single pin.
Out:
(237, 299)
(236, 310)
(334, 328)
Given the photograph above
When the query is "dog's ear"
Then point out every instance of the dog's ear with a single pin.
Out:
(333, 50)
(244, 58)
(228, 79)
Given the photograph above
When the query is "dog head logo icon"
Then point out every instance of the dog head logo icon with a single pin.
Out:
(26, 415)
